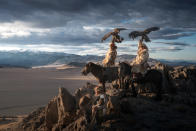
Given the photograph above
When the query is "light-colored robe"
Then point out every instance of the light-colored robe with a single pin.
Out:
(140, 64)
(110, 57)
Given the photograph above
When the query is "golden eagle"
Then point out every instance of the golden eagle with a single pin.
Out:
(115, 35)
(143, 34)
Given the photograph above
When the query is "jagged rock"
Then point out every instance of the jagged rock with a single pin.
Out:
(178, 78)
(85, 106)
(65, 103)
(85, 102)
(51, 116)
(184, 78)
(59, 112)
(66, 108)
(88, 89)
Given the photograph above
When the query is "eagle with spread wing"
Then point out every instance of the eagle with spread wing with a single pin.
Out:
(115, 35)
(143, 34)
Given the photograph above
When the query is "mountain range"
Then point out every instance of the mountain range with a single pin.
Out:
(29, 59)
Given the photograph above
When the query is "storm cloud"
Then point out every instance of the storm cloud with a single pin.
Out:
(86, 21)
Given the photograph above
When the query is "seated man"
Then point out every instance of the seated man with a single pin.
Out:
(140, 64)
(110, 56)
(99, 105)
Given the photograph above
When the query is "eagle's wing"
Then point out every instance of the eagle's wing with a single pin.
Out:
(106, 36)
(147, 31)
(134, 34)
(120, 29)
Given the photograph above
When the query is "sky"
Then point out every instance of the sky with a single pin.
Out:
(77, 26)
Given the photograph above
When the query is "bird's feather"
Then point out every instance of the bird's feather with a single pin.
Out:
(134, 34)
(143, 34)
(147, 31)
(106, 36)
(120, 29)
(146, 38)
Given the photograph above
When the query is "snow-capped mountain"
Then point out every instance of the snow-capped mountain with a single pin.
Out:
(30, 59)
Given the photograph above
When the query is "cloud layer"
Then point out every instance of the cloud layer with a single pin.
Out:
(77, 26)
(86, 21)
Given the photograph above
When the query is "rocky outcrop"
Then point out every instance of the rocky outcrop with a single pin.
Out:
(66, 102)
(85, 102)
(59, 112)
(120, 111)
(177, 79)
(167, 84)
(66, 107)
(184, 78)
(79, 93)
